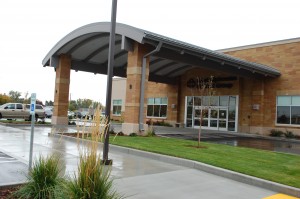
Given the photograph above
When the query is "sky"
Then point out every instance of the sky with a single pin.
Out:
(30, 28)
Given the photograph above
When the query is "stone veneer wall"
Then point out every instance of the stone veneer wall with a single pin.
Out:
(164, 90)
(285, 58)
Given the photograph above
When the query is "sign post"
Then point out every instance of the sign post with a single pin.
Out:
(32, 113)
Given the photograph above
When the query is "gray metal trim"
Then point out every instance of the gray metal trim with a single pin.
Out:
(74, 48)
(121, 29)
(223, 57)
(163, 67)
(178, 69)
(177, 47)
(127, 44)
(156, 61)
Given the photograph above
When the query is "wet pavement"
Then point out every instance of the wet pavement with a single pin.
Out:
(234, 139)
(135, 176)
(264, 143)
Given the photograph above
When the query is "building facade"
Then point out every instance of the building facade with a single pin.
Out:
(234, 103)
(250, 89)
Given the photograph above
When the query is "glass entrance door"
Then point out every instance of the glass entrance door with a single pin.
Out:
(222, 115)
(223, 119)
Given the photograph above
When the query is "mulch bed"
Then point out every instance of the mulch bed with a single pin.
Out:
(5, 192)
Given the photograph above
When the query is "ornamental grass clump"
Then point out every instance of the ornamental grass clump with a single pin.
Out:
(44, 180)
(93, 178)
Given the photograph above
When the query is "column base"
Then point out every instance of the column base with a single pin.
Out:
(128, 128)
(57, 120)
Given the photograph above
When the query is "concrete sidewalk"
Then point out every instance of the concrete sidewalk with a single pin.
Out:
(136, 176)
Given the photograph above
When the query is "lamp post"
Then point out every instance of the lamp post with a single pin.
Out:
(111, 53)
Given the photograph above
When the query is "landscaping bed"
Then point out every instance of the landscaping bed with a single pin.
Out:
(6, 191)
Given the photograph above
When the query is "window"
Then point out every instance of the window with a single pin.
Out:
(117, 107)
(10, 106)
(157, 107)
(38, 107)
(19, 106)
(288, 110)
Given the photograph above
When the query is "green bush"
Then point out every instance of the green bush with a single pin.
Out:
(92, 180)
(158, 123)
(44, 180)
(276, 133)
(132, 134)
(150, 132)
(289, 134)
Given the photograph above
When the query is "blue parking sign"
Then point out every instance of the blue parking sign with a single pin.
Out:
(32, 103)
(32, 108)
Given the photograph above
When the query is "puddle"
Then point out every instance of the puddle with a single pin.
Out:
(265, 144)
(250, 142)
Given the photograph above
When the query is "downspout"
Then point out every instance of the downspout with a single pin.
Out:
(142, 90)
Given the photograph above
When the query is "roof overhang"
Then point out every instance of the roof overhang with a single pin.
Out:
(88, 47)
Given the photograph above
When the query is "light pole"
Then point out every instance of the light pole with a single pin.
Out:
(110, 68)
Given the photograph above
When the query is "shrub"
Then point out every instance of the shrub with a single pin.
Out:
(276, 133)
(120, 133)
(289, 134)
(43, 180)
(158, 123)
(150, 132)
(92, 179)
(132, 134)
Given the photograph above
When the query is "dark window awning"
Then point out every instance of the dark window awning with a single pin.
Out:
(88, 47)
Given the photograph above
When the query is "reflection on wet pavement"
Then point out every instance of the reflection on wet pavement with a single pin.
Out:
(284, 146)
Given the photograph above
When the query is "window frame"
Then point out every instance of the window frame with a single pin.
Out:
(290, 106)
(155, 104)
(118, 104)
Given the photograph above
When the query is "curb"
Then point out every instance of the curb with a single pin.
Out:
(14, 184)
(258, 182)
(18, 125)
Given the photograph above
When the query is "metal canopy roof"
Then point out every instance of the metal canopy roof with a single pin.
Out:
(88, 47)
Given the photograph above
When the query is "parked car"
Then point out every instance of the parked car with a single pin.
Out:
(77, 114)
(85, 114)
(13, 111)
(71, 114)
(48, 112)
(20, 111)
(39, 111)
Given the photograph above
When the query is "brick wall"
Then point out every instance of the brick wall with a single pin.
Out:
(285, 58)
(165, 90)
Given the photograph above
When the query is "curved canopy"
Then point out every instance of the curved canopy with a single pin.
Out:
(88, 47)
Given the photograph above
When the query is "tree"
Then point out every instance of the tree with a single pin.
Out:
(4, 99)
(203, 86)
(73, 105)
(49, 103)
(84, 103)
(15, 96)
(95, 105)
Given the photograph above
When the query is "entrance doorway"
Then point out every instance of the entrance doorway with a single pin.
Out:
(220, 115)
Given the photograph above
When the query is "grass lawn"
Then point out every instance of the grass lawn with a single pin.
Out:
(277, 167)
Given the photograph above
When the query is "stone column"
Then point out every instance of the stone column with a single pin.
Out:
(133, 88)
(257, 115)
(61, 93)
